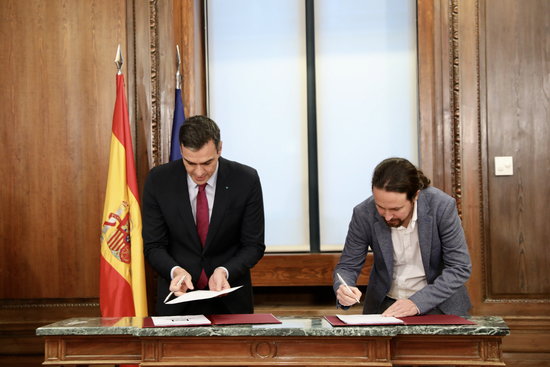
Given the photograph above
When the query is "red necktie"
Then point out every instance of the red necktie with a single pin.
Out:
(202, 227)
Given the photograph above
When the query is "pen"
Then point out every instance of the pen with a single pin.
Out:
(177, 284)
(346, 285)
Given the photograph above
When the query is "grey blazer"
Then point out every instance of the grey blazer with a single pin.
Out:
(442, 244)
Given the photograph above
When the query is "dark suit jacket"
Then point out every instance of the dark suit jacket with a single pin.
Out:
(442, 245)
(235, 235)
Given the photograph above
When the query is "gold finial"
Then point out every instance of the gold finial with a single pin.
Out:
(119, 60)
(178, 63)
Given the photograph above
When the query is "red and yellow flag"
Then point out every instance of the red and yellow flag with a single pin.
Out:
(122, 270)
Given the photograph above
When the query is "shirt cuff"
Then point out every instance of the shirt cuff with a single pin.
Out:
(221, 267)
(226, 271)
(172, 271)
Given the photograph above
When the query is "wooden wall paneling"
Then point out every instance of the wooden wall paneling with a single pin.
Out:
(166, 70)
(503, 52)
(189, 30)
(459, 105)
(58, 94)
(438, 94)
(529, 341)
(467, 46)
(436, 144)
(160, 26)
(146, 82)
(289, 270)
(138, 126)
(428, 91)
(514, 121)
(517, 123)
(155, 67)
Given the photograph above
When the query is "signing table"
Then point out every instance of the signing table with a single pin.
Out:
(297, 341)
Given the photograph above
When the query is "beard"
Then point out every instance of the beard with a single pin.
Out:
(394, 223)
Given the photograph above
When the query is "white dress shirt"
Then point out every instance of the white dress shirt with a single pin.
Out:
(210, 190)
(408, 270)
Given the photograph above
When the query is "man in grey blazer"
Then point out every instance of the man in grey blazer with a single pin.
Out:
(421, 259)
(203, 224)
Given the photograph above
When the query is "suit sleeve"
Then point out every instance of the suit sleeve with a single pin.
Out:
(354, 252)
(252, 232)
(155, 230)
(455, 257)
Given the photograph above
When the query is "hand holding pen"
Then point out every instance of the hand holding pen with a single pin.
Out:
(178, 284)
(348, 293)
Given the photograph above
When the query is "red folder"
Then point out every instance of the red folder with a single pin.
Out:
(413, 320)
(234, 319)
(148, 322)
(231, 319)
(335, 321)
(436, 320)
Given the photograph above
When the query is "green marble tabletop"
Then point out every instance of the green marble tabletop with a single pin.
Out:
(290, 326)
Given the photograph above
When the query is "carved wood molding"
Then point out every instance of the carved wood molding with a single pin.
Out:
(480, 156)
(41, 311)
(456, 162)
(156, 151)
(45, 303)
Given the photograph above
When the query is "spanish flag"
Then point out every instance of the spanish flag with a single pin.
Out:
(122, 271)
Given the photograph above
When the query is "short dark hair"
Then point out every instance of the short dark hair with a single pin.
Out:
(198, 130)
(399, 175)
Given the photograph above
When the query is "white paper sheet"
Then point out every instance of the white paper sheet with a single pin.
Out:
(371, 319)
(180, 320)
(201, 294)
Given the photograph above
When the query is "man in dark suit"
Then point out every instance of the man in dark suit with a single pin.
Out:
(421, 259)
(203, 222)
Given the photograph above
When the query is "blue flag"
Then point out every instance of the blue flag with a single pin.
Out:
(179, 118)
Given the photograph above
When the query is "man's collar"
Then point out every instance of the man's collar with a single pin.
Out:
(415, 214)
(412, 222)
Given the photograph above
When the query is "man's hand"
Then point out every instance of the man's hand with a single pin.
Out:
(347, 298)
(186, 284)
(218, 280)
(401, 308)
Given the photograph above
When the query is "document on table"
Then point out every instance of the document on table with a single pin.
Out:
(370, 319)
(180, 320)
(201, 294)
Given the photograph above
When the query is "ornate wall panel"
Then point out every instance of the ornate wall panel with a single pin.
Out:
(58, 92)
(160, 26)
(503, 57)
(513, 121)
(516, 105)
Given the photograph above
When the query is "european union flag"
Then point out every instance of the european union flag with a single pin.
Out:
(179, 118)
